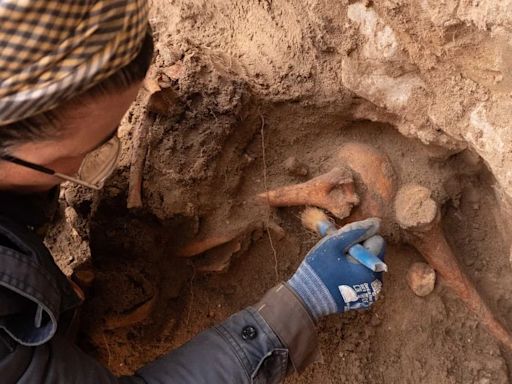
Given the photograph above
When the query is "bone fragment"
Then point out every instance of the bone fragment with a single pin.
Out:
(138, 159)
(213, 240)
(419, 217)
(374, 179)
(333, 191)
(136, 316)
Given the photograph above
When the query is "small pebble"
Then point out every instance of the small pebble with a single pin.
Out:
(375, 321)
(510, 256)
(85, 278)
(421, 278)
(295, 168)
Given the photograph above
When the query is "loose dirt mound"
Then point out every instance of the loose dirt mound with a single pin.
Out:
(249, 85)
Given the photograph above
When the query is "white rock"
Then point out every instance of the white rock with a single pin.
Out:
(421, 278)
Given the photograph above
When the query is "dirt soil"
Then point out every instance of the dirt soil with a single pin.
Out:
(237, 112)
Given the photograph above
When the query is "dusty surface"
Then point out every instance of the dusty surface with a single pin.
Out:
(247, 85)
(414, 208)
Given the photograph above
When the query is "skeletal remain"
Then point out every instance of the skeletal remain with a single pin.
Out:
(218, 259)
(138, 159)
(333, 191)
(219, 239)
(216, 239)
(419, 216)
(295, 168)
(158, 99)
(134, 317)
(374, 179)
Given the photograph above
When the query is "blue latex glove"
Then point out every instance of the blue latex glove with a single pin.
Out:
(330, 281)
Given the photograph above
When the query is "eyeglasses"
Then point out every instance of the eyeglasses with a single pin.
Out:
(96, 167)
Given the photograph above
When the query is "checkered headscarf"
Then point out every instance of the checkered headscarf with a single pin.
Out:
(52, 50)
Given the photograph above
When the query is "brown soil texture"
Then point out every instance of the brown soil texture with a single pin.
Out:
(241, 111)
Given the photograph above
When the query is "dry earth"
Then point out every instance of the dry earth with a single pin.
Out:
(248, 84)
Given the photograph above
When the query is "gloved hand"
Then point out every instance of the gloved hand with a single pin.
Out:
(330, 281)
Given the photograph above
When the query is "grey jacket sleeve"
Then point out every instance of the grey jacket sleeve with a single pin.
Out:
(242, 349)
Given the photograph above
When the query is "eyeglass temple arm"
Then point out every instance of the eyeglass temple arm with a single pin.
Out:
(77, 181)
(48, 171)
(28, 164)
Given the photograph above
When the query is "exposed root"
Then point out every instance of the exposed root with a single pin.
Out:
(265, 183)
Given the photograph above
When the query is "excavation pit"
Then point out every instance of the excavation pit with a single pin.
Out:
(231, 119)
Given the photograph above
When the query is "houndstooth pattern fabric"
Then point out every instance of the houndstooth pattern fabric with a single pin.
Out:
(53, 50)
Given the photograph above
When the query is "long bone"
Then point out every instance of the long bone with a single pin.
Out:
(419, 217)
(333, 191)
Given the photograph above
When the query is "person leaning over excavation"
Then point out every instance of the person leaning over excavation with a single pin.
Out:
(69, 71)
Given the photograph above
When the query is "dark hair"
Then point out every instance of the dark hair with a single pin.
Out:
(45, 124)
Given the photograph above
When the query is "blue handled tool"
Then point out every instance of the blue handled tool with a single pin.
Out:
(317, 220)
